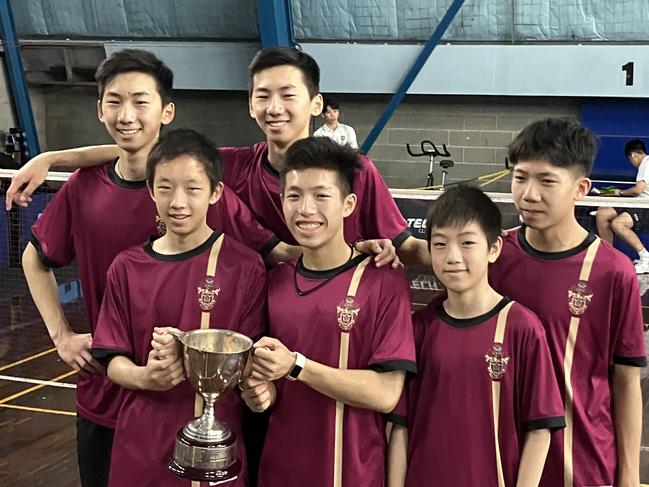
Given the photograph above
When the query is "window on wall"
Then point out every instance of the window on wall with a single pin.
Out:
(478, 20)
(136, 19)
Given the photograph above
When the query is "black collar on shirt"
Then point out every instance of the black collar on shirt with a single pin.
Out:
(469, 322)
(123, 183)
(328, 273)
(525, 245)
(325, 276)
(269, 167)
(148, 248)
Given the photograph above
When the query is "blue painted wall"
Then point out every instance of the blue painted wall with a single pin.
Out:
(615, 122)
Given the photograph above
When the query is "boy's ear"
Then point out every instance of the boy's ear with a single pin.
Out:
(100, 114)
(349, 203)
(495, 249)
(251, 112)
(218, 192)
(316, 105)
(168, 113)
(148, 186)
(583, 188)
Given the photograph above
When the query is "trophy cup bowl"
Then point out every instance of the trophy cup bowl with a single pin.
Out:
(214, 361)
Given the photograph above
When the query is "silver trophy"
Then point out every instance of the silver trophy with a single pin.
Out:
(214, 361)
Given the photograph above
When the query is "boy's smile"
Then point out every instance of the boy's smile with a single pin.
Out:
(281, 105)
(132, 112)
(314, 210)
(182, 194)
(461, 255)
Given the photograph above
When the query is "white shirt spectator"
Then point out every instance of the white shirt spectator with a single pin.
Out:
(643, 175)
(343, 134)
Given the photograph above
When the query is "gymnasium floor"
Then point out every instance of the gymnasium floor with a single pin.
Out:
(37, 419)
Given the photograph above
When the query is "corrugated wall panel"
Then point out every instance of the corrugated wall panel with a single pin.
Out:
(182, 19)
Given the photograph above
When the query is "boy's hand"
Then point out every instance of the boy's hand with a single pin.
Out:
(258, 395)
(165, 344)
(27, 180)
(162, 374)
(271, 360)
(384, 250)
(74, 350)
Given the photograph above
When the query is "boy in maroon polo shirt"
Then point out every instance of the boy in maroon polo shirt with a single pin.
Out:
(342, 336)
(480, 410)
(163, 283)
(284, 95)
(134, 102)
(586, 294)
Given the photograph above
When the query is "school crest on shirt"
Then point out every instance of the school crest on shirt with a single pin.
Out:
(160, 226)
(579, 297)
(207, 294)
(496, 362)
(347, 312)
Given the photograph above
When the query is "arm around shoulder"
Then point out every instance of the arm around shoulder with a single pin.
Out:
(33, 174)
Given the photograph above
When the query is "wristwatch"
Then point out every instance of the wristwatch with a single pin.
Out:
(300, 360)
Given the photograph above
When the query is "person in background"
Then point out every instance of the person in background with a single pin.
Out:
(332, 128)
(624, 223)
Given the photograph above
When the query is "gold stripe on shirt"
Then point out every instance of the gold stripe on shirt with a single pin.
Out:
(584, 275)
(205, 316)
(205, 320)
(499, 337)
(342, 364)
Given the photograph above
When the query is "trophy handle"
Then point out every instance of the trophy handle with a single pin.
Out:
(247, 370)
(179, 336)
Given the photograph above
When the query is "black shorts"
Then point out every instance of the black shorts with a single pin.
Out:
(94, 444)
(639, 216)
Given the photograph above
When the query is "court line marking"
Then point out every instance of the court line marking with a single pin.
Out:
(35, 388)
(38, 381)
(38, 410)
(27, 359)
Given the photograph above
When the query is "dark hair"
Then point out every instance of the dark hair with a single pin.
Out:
(462, 205)
(282, 56)
(564, 142)
(329, 101)
(186, 142)
(635, 145)
(322, 153)
(140, 61)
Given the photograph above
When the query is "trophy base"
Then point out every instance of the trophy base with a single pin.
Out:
(199, 474)
(205, 461)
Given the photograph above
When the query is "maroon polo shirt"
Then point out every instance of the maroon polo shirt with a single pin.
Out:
(147, 289)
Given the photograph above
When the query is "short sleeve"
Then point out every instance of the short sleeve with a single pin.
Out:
(377, 213)
(253, 317)
(399, 414)
(540, 403)
(52, 234)
(352, 138)
(393, 345)
(643, 171)
(230, 215)
(113, 334)
(628, 340)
